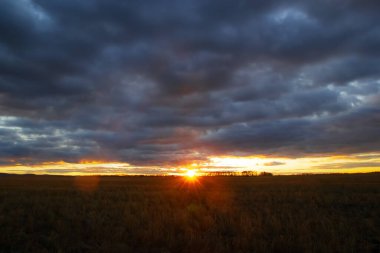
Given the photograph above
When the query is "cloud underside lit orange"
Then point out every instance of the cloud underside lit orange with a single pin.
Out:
(366, 162)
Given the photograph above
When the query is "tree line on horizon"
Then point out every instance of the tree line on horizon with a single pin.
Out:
(247, 173)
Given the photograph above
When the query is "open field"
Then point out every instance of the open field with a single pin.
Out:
(324, 213)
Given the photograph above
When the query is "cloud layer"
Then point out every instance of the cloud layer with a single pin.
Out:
(171, 82)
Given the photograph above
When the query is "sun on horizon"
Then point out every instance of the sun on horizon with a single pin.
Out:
(190, 174)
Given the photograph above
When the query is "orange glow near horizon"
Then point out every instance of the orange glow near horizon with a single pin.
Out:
(368, 162)
(360, 163)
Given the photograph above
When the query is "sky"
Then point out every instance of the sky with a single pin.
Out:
(158, 86)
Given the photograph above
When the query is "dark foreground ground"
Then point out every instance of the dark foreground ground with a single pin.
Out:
(326, 213)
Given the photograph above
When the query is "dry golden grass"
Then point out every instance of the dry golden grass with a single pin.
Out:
(325, 213)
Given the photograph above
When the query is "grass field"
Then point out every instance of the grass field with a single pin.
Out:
(321, 213)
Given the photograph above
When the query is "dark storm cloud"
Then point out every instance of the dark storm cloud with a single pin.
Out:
(344, 134)
(169, 82)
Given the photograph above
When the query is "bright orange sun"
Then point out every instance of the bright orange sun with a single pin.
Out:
(190, 174)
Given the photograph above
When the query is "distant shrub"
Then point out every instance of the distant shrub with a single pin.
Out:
(249, 173)
(265, 174)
